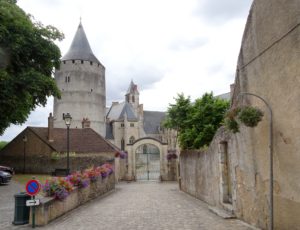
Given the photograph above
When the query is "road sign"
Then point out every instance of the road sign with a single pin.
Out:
(33, 187)
(32, 202)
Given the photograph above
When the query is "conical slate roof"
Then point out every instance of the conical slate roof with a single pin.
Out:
(80, 48)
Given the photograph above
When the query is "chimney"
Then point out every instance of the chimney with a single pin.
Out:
(50, 128)
(86, 123)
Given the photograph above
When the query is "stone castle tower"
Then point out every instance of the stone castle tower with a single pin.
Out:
(81, 79)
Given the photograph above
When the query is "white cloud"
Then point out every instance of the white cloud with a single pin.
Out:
(166, 47)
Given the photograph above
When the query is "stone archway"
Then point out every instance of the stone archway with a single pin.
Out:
(134, 159)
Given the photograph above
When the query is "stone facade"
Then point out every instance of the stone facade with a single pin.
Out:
(129, 125)
(268, 66)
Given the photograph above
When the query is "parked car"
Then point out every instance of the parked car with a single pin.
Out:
(5, 177)
(7, 169)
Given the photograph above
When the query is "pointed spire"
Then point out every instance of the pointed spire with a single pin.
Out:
(80, 48)
(132, 88)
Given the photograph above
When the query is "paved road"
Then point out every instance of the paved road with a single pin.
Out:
(145, 206)
(7, 202)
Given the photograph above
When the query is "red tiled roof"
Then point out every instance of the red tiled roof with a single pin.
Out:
(81, 140)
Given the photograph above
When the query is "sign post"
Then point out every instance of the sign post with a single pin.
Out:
(32, 188)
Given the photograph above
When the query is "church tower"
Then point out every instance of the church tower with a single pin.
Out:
(132, 96)
(81, 79)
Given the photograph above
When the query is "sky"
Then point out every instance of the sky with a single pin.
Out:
(165, 46)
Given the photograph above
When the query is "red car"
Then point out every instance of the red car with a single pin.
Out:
(7, 169)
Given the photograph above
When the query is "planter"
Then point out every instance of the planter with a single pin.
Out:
(51, 208)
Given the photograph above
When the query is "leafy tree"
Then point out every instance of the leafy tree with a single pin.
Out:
(2, 144)
(177, 114)
(28, 56)
(199, 122)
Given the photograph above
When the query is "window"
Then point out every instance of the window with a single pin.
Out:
(131, 140)
(64, 62)
(122, 124)
(81, 61)
(91, 62)
(133, 98)
(67, 78)
(122, 144)
(73, 61)
(131, 124)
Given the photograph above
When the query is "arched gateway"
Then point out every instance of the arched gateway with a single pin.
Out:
(147, 159)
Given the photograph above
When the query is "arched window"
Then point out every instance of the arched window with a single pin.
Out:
(122, 144)
(131, 140)
(133, 98)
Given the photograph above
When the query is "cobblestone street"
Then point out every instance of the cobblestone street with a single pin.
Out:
(143, 205)
(7, 203)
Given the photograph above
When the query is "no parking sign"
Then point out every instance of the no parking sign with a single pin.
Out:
(33, 187)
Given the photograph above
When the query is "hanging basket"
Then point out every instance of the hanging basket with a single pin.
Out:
(250, 116)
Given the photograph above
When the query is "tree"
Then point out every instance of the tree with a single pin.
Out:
(199, 122)
(2, 144)
(28, 56)
(177, 114)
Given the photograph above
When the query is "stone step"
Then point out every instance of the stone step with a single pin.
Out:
(221, 212)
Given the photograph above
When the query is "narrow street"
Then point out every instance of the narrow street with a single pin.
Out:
(134, 206)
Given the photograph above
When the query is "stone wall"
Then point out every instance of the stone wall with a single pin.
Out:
(228, 175)
(83, 95)
(268, 65)
(46, 165)
(239, 164)
(202, 174)
(50, 208)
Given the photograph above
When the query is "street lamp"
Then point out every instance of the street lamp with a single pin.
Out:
(24, 151)
(271, 212)
(67, 118)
